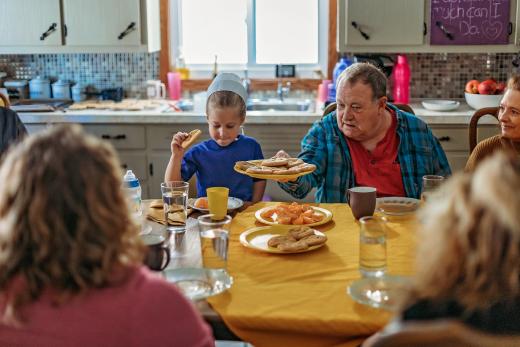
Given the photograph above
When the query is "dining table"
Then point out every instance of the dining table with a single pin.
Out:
(298, 299)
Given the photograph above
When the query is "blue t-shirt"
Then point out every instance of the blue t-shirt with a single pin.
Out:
(213, 165)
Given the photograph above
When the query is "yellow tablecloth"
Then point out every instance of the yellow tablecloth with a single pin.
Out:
(300, 299)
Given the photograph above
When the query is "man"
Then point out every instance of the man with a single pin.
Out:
(11, 128)
(367, 142)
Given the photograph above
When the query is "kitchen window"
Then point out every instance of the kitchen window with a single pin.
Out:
(249, 34)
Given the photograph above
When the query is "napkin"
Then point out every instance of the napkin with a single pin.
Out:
(156, 214)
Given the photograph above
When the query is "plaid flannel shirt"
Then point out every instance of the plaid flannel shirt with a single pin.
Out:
(419, 154)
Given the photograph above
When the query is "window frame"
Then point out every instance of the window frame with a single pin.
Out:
(254, 70)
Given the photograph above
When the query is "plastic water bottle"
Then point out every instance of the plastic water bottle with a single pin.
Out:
(401, 74)
(133, 192)
(341, 65)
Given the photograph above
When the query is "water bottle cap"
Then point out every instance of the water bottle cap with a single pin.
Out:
(129, 180)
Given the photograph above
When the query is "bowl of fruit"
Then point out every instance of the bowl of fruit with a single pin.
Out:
(487, 93)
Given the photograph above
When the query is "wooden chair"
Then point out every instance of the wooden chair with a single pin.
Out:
(3, 101)
(332, 107)
(441, 333)
(493, 111)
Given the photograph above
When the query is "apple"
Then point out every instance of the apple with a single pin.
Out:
(501, 86)
(472, 87)
(487, 87)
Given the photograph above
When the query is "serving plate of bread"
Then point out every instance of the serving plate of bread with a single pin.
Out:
(293, 214)
(282, 239)
(275, 168)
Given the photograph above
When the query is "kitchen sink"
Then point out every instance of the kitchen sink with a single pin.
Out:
(302, 105)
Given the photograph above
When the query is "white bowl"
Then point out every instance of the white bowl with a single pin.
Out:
(440, 105)
(478, 101)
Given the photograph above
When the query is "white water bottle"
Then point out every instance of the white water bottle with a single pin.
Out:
(133, 192)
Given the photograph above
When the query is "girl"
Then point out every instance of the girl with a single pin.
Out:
(212, 161)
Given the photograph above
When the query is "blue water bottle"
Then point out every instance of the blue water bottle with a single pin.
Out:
(341, 65)
(132, 189)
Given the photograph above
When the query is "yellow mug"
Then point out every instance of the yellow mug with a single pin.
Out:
(218, 201)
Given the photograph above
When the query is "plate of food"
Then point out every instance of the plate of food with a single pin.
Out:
(274, 168)
(397, 206)
(283, 239)
(293, 214)
(201, 204)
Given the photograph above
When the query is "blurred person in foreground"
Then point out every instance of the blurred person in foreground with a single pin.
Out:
(367, 142)
(468, 260)
(509, 118)
(71, 270)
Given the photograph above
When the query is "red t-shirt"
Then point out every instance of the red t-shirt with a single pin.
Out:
(379, 168)
(143, 311)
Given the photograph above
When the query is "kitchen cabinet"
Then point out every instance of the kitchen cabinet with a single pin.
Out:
(96, 26)
(383, 22)
(30, 23)
(397, 26)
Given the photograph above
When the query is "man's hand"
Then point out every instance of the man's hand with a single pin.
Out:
(282, 154)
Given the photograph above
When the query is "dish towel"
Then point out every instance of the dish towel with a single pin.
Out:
(156, 214)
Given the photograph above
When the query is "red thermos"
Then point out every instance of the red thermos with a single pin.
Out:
(401, 74)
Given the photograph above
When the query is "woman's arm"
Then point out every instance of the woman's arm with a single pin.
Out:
(258, 190)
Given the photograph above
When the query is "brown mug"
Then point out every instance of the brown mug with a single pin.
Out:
(157, 255)
(362, 201)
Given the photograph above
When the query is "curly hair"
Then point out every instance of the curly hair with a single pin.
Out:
(64, 221)
(469, 242)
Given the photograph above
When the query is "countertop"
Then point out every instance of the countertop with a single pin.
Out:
(459, 116)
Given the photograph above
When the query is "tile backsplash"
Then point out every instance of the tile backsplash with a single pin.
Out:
(434, 75)
(103, 70)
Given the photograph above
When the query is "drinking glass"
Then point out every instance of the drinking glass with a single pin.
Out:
(430, 183)
(218, 201)
(372, 246)
(175, 198)
(214, 240)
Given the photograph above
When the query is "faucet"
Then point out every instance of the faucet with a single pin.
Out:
(283, 91)
(246, 82)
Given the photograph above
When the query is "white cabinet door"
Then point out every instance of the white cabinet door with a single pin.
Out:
(30, 23)
(380, 22)
(102, 22)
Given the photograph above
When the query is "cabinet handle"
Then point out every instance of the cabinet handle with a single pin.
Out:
(49, 31)
(509, 29)
(444, 139)
(128, 30)
(115, 137)
(364, 34)
(150, 169)
(425, 29)
(124, 166)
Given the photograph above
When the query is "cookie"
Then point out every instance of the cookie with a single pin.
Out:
(192, 137)
(301, 233)
(294, 162)
(244, 165)
(276, 240)
(259, 170)
(272, 162)
(293, 246)
(314, 240)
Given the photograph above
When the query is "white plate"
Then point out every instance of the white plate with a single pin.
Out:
(197, 283)
(379, 292)
(440, 105)
(397, 206)
(232, 204)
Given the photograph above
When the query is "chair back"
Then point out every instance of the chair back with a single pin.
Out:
(3, 101)
(493, 111)
(440, 333)
(332, 107)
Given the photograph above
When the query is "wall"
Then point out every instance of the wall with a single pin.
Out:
(127, 70)
(433, 75)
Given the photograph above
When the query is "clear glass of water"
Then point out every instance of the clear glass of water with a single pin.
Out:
(372, 246)
(175, 200)
(214, 241)
(430, 183)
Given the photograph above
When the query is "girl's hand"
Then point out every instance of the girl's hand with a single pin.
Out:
(175, 145)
